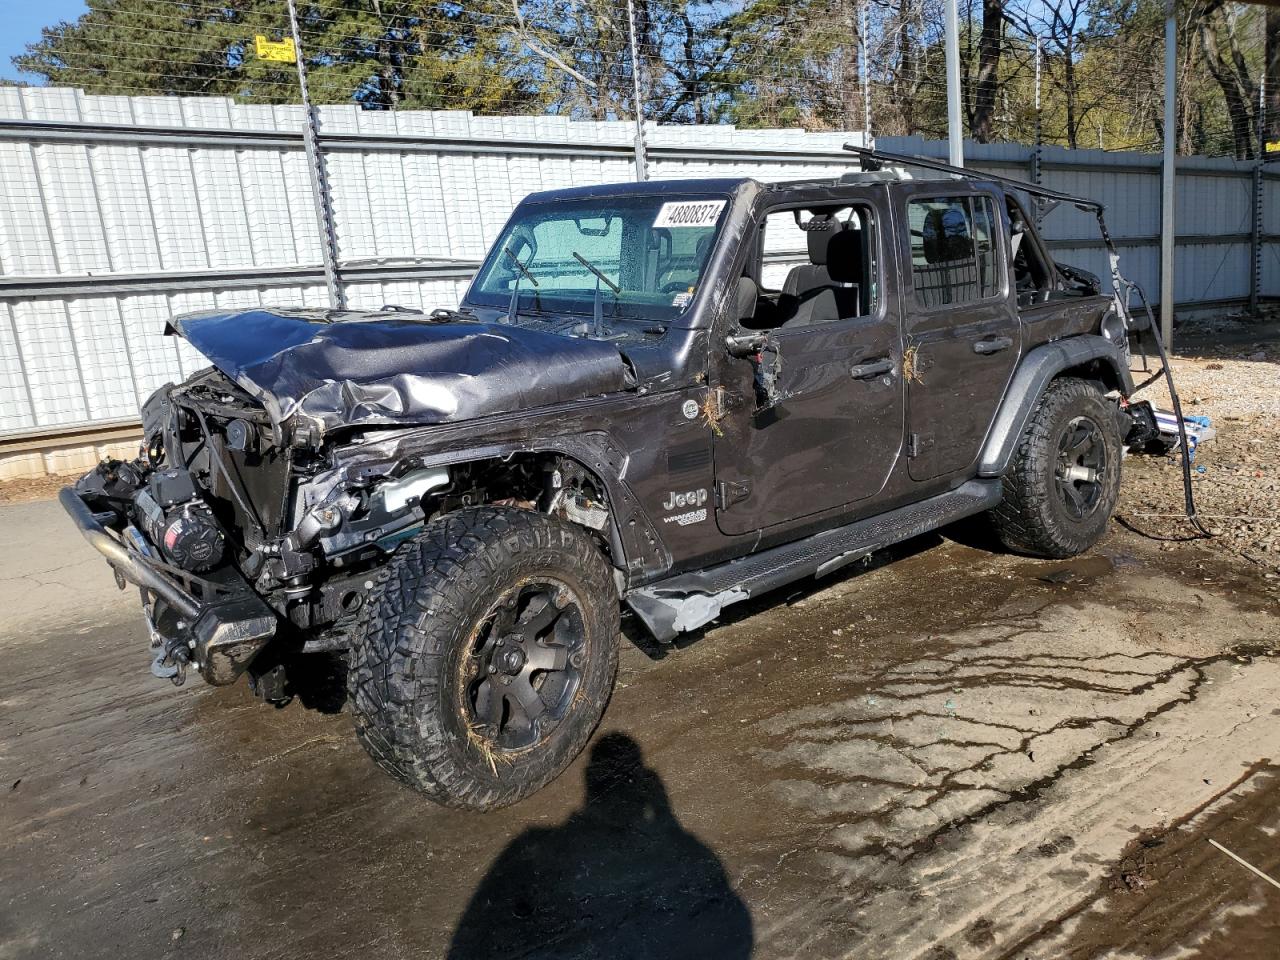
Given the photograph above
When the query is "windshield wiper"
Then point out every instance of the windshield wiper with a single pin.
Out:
(513, 307)
(597, 311)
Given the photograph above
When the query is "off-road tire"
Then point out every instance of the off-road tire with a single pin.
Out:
(413, 635)
(1032, 517)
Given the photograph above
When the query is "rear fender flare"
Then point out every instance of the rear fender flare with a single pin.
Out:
(1037, 369)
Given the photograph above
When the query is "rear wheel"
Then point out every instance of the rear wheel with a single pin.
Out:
(1064, 480)
(485, 656)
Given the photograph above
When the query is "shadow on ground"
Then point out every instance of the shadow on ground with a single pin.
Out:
(620, 878)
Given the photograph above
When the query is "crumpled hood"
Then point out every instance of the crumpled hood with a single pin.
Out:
(324, 369)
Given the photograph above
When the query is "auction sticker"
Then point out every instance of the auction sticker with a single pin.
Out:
(689, 213)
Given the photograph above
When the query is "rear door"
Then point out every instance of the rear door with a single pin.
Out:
(962, 336)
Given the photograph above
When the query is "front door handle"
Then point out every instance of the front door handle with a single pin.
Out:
(994, 345)
(871, 369)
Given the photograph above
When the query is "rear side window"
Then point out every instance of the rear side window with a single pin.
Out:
(953, 250)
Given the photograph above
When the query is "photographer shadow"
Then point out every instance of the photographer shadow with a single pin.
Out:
(620, 878)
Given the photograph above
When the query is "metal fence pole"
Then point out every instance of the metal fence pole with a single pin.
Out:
(320, 194)
(642, 153)
(866, 76)
(955, 127)
(1037, 151)
(1168, 173)
(1255, 237)
(1035, 157)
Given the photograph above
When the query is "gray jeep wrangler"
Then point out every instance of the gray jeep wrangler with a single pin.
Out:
(664, 396)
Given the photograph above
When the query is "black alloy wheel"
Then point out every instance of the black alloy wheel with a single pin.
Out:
(526, 665)
(484, 655)
(1082, 467)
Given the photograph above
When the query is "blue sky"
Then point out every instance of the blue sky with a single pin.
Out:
(20, 24)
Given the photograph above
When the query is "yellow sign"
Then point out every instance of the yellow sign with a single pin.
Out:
(1273, 146)
(281, 51)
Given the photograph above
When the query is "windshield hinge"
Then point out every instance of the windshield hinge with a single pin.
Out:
(729, 492)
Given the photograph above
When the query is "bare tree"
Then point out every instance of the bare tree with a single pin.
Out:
(1272, 32)
(1059, 24)
(986, 86)
(1231, 72)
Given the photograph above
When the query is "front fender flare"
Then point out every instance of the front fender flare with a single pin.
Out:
(639, 549)
(1037, 368)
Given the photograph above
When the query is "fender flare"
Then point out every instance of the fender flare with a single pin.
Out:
(638, 547)
(1029, 382)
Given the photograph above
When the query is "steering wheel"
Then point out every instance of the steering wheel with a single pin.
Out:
(674, 286)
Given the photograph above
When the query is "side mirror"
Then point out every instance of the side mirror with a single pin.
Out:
(745, 344)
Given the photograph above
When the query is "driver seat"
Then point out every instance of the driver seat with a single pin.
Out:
(825, 288)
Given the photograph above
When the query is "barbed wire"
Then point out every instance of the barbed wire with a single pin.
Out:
(708, 61)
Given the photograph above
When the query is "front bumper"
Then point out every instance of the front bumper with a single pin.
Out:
(221, 630)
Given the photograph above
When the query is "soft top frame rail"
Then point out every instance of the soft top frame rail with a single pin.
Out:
(880, 157)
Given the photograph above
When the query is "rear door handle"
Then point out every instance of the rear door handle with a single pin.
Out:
(873, 368)
(994, 345)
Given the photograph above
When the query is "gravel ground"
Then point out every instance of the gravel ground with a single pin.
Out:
(1229, 372)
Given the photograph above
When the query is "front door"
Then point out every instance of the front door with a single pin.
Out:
(962, 335)
(835, 431)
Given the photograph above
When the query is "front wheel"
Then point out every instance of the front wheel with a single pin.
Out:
(485, 656)
(1064, 480)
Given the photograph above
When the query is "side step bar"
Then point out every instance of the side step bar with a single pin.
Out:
(690, 600)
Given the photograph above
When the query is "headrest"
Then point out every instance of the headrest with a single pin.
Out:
(943, 245)
(703, 245)
(844, 257)
(818, 233)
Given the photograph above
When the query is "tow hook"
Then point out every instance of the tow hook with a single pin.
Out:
(171, 661)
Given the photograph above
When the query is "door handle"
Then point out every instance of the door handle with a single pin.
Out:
(875, 368)
(994, 345)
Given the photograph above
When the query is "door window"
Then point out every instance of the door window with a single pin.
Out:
(953, 250)
(817, 265)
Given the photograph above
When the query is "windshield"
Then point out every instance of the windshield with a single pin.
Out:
(652, 248)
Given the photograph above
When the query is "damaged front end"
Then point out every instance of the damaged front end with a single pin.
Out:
(263, 497)
(247, 553)
(195, 522)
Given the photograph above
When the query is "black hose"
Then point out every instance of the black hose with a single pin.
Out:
(1189, 500)
(1188, 495)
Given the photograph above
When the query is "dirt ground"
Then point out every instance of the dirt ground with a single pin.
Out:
(35, 488)
(948, 753)
(1229, 372)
